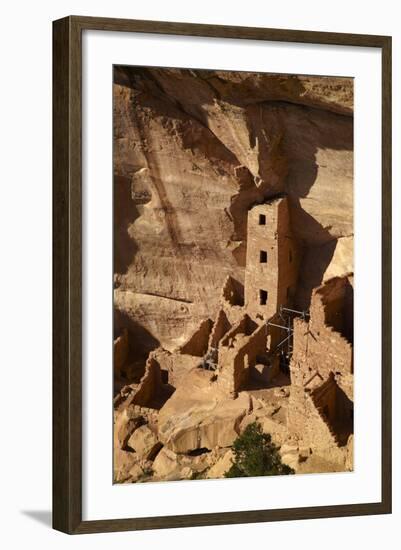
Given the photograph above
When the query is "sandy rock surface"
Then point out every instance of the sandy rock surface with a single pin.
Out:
(199, 416)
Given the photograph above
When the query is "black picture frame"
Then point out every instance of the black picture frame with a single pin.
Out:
(67, 274)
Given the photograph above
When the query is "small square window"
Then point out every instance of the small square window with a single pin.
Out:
(262, 219)
(263, 297)
(263, 257)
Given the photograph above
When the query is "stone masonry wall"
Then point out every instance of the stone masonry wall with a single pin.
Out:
(198, 343)
(150, 385)
(220, 327)
(311, 428)
(233, 292)
(245, 327)
(176, 364)
(324, 397)
(262, 276)
(318, 348)
(232, 300)
(333, 305)
(288, 258)
(272, 259)
(238, 356)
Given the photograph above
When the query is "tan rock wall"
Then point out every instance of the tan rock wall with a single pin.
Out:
(193, 150)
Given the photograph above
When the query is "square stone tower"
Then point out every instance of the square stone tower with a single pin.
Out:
(272, 259)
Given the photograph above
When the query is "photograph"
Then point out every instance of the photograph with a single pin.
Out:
(233, 274)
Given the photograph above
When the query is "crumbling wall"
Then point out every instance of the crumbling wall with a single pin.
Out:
(332, 402)
(150, 385)
(198, 343)
(312, 430)
(319, 348)
(232, 300)
(120, 350)
(247, 356)
(175, 364)
(321, 351)
(220, 327)
(320, 410)
(324, 398)
(238, 356)
(333, 306)
(245, 327)
(274, 334)
(233, 292)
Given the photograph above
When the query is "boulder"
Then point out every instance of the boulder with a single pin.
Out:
(292, 460)
(165, 463)
(222, 466)
(288, 449)
(199, 415)
(144, 442)
(186, 473)
(123, 462)
(136, 472)
(124, 428)
(290, 455)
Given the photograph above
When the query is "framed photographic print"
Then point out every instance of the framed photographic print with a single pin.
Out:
(222, 275)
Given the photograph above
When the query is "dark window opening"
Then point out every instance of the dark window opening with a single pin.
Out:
(263, 257)
(290, 256)
(262, 219)
(263, 297)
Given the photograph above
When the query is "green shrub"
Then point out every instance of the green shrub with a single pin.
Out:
(256, 455)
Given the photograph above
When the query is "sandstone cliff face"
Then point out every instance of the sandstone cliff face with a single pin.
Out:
(192, 151)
